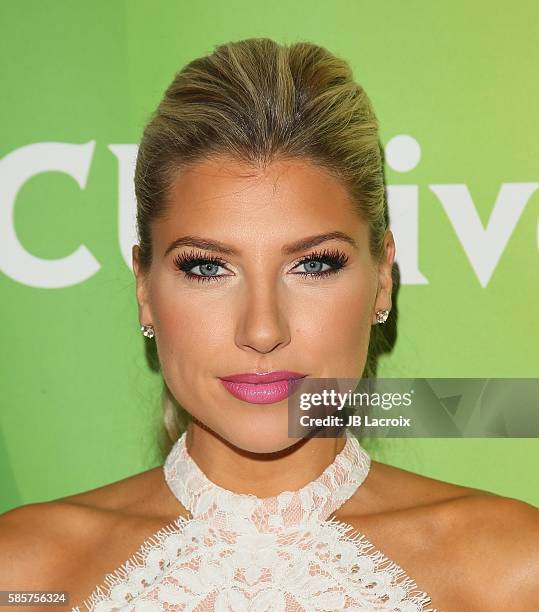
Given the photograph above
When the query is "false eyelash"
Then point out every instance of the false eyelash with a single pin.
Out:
(333, 257)
(184, 262)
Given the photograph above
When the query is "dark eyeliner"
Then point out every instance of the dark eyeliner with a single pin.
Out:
(184, 262)
(332, 257)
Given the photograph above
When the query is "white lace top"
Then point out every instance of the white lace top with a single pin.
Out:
(243, 553)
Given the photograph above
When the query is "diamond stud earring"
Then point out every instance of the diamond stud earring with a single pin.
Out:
(381, 316)
(147, 330)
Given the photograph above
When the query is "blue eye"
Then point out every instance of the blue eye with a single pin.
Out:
(208, 269)
(336, 260)
(209, 265)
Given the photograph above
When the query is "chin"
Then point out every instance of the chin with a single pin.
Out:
(261, 429)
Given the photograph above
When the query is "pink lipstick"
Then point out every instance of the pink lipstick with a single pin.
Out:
(266, 388)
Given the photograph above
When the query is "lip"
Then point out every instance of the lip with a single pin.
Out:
(266, 388)
(266, 377)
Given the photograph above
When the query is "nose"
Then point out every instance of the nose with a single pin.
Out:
(262, 324)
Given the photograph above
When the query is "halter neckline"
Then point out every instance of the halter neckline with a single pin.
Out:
(315, 501)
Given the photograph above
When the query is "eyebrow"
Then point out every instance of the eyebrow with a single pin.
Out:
(288, 249)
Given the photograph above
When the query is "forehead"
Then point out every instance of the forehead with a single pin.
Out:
(222, 181)
(287, 198)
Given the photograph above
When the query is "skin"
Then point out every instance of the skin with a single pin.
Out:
(468, 549)
(254, 315)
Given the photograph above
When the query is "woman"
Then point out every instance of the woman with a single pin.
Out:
(264, 255)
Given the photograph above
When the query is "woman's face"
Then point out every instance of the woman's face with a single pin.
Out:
(235, 297)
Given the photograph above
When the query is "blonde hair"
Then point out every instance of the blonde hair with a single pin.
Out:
(256, 100)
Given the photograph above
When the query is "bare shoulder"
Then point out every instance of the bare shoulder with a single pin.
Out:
(491, 538)
(467, 547)
(36, 542)
(394, 489)
(496, 539)
(41, 544)
(143, 494)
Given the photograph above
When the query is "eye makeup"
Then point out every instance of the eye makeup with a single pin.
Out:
(185, 262)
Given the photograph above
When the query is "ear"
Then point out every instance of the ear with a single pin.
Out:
(141, 280)
(385, 281)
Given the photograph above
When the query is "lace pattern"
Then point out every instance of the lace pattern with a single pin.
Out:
(243, 553)
(242, 512)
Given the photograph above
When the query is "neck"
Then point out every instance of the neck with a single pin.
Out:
(263, 475)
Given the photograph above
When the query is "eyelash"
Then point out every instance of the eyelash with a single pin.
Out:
(184, 262)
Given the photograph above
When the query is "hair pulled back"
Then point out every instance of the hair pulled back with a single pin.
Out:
(257, 100)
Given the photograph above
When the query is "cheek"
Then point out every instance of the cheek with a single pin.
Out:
(337, 329)
(196, 327)
(191, 325)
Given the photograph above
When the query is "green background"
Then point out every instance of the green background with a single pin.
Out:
(79, 404)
